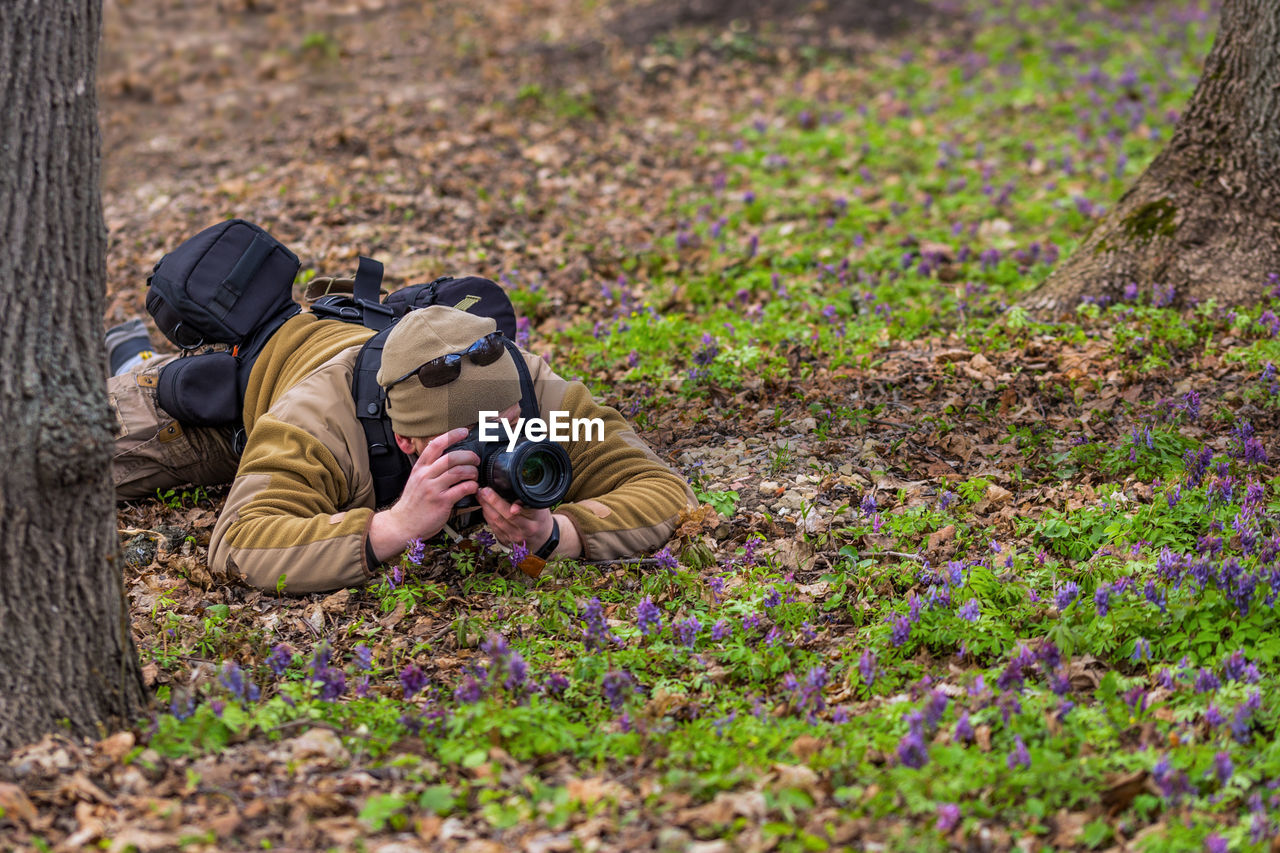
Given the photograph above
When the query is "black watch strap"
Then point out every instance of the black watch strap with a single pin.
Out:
(552, 543)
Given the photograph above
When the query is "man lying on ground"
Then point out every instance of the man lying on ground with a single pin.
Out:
(301, 514)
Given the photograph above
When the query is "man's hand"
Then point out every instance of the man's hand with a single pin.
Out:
(436, 483)
(512, 523)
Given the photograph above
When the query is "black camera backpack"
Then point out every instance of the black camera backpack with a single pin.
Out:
(231, 284)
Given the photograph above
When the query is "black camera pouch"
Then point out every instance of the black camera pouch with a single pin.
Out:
(221, 285)
(201, 390)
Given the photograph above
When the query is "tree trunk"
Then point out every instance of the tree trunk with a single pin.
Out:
(67, 660)
(1204, 219)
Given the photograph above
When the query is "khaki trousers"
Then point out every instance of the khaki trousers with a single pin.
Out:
(155, 452)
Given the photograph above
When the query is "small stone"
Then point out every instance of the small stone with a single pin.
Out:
(769, 487)
(671, 838)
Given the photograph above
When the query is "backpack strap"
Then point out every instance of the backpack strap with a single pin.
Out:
(367, 293)
(388, 466)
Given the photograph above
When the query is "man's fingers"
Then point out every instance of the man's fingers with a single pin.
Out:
(435, 447)
(458, 474)
(458, 491)
(450, 461)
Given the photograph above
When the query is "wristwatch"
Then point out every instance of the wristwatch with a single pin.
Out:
(552, 543)
(533, 564)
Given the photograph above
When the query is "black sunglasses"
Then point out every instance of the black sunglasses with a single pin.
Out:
(446, 368)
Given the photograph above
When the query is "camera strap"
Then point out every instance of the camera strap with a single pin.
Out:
(528, 395)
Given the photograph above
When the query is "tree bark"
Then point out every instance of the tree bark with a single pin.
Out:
(1204, 219)
(67, 660)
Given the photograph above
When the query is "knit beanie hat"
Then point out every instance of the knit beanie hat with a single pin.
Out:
(427, 333)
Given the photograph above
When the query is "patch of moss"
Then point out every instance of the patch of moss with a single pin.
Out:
(1152, 219)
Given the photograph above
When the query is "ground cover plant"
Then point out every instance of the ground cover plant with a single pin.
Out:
(964, 576)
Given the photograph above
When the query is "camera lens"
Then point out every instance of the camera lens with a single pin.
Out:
(535, 473)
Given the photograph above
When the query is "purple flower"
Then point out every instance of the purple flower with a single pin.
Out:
(912, 750)
(363, 658)
(687, 631)
(280, 658)
(934, 709)
(1214, 843)
(1172, 784)
(1014, 674)
(964, 729)
(1067, 594)
(648, 617)
(971, 611)
(1236, 667)
(413, 680)
(617, 686)
(496, 647)
(869, 504)
(867, 667)
(948, 817)
(1222, 767)
(772, 598)
(417, 551)
(1102, 598)
(1191, 404)
(332, 681)
(665, 559)
(1019, 757)
(1253, 452)
(1206, 681)
(469, 690)
(595, 633)
(555, 684)
(517, 672)
(485, 540)
(1141, 650)
(720, 630)
(232, 678)
(901, 630)
(519, 551)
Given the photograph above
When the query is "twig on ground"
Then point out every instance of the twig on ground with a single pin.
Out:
(917, 557)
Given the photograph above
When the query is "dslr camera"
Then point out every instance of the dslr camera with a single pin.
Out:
(537, 474)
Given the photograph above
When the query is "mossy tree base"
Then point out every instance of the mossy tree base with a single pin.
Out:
(1203, 222)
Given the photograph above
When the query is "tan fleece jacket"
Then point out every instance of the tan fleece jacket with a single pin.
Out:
(301, 504)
